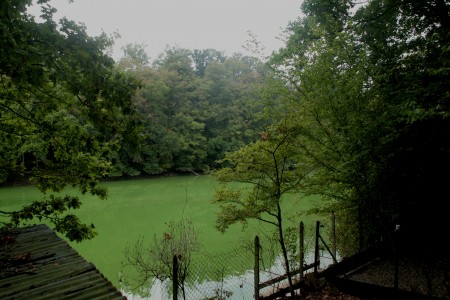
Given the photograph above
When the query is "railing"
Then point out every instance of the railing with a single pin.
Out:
(282, 291)
(279, 281)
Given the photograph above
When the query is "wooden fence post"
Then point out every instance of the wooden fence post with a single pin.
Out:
(396, 256)
(175, 277)
(301, 248)
(256, 268)
(316, 250)
(333, 236)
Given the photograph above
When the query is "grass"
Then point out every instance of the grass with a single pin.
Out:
(141, 208)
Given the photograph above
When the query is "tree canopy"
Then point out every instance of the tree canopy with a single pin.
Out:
(63, 107)
(369, 86)
(194, 106)
(266, 170)
(363, 85)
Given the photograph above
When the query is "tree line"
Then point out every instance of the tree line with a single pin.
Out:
(354, 108)
(193, 106)
(72, 116)
(363, 121)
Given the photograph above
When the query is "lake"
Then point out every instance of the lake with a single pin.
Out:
(141, 208)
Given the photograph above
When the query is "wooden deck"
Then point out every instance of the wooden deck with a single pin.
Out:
(37, 264)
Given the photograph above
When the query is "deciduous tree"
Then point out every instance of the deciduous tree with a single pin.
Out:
(265, 170)
(370, 92)
(156, 262)
(63, 108)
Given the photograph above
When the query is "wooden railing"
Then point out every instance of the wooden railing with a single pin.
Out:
(303, 267)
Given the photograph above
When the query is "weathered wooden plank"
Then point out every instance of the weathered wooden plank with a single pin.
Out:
(40, 265)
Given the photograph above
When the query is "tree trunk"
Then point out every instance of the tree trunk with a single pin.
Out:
(284, 250)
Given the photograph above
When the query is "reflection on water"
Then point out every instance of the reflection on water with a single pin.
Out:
(232, 287)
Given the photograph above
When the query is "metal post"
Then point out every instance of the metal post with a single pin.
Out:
(316, 250)
(301, 248)
(256, 268)
(175, 277)
(333, 236)
(396, 255)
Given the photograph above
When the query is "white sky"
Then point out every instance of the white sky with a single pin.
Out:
(194, 24)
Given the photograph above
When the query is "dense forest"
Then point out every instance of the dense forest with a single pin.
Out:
(355, 108)
(193, 107)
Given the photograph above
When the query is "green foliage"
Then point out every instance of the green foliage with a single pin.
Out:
(368, 91)
(194, 106)
(180, 241)
(202, 58)
(63, 109)
(266, 170)
(54, 210)
(134, 57)
(347, 232)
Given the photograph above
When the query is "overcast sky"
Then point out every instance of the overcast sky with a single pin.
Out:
(194, 24)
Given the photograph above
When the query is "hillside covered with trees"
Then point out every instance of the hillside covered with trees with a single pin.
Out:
(358, 98)
(366, 85)
(193, 106)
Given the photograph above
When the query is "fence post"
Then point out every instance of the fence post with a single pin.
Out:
(333, 236)
(256, 269)
(396, 255)
(301, 248)
(316, 250)
(175, 277)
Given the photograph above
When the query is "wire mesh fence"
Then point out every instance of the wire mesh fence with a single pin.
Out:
(218, 276)
(230, 275)
(222, 276)
(318, 241)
